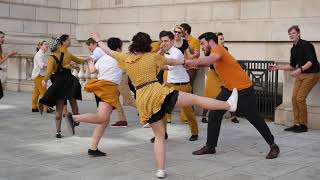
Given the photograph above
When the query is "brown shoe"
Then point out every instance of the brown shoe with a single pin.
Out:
(204, 150)
(274, 152)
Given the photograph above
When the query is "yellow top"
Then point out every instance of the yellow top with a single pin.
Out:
(194, 45)
(68, 57)
(155, 46)
(141, 69)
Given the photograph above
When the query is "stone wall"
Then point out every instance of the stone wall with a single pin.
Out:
(25, 22)
(254, 29)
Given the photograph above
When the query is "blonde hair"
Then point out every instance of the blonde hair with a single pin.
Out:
(179, 27)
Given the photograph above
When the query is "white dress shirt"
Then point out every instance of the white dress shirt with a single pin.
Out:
(106, 66)
(176, 74)
(39, 62)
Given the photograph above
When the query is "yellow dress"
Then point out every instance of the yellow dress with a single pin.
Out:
(141, 69)
(213, 84)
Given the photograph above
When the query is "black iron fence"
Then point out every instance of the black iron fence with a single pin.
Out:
(265, 84)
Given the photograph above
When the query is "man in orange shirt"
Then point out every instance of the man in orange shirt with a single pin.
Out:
(232, 76)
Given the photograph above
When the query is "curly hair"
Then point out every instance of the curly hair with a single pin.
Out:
(141, 43)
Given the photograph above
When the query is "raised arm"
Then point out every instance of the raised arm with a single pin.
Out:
(102, 45)
(205, 61)
(12, 53)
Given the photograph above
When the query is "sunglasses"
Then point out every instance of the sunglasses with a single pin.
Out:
(177, 32)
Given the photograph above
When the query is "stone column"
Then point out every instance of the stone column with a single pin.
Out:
(284, 114)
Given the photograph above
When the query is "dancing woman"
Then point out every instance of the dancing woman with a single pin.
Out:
(153, 99)
(105, 89)
(64, 86)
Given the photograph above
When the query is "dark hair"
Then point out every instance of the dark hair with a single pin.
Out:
(90, 41)
(141, 42)
(219, 33)
(0, 44)
(209, 36)
(114, 43)
(294, 27)
(63, 38)
(169, 34)
(186, 27)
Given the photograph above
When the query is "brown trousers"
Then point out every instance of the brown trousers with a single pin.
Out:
(302, 87)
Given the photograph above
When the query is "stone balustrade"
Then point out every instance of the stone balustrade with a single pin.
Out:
(16, 74)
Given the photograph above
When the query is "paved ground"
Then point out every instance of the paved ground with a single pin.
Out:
(28, 150)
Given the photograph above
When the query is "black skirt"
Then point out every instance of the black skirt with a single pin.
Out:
(64, 86)
(1, 90)
(166, 108)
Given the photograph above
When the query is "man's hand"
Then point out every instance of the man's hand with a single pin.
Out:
(190, 63)
(273, 67)
(296, 72)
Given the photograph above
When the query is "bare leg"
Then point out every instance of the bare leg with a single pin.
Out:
(59, 109)
(187, 99)
(159, 144)
(103, 110)
(104, 113)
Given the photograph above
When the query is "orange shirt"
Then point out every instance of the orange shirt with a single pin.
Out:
(230, 71)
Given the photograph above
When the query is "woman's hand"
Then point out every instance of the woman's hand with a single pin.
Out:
(12, 53)
(95, 36)
(44, 83)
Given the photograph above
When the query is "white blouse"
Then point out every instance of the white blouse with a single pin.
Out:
(39, 62)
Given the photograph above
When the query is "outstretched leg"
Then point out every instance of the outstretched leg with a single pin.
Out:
(187, 99)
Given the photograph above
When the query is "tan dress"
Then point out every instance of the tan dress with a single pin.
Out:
(141, 69)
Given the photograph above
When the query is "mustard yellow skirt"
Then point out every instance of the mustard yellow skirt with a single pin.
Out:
(107, 91)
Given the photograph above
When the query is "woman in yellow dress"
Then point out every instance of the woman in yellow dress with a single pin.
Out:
(153, 99)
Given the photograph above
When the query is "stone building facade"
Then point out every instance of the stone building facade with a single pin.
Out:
(254, 29)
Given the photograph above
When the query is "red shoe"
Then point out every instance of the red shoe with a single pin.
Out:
(120, 124)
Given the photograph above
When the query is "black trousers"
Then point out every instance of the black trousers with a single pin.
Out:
(247, 105)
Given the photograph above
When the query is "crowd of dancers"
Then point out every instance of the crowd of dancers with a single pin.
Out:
(161, 75)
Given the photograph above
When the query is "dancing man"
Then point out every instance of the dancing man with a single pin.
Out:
(232, 76)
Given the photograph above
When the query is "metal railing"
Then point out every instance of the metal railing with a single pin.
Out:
(265, 84)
